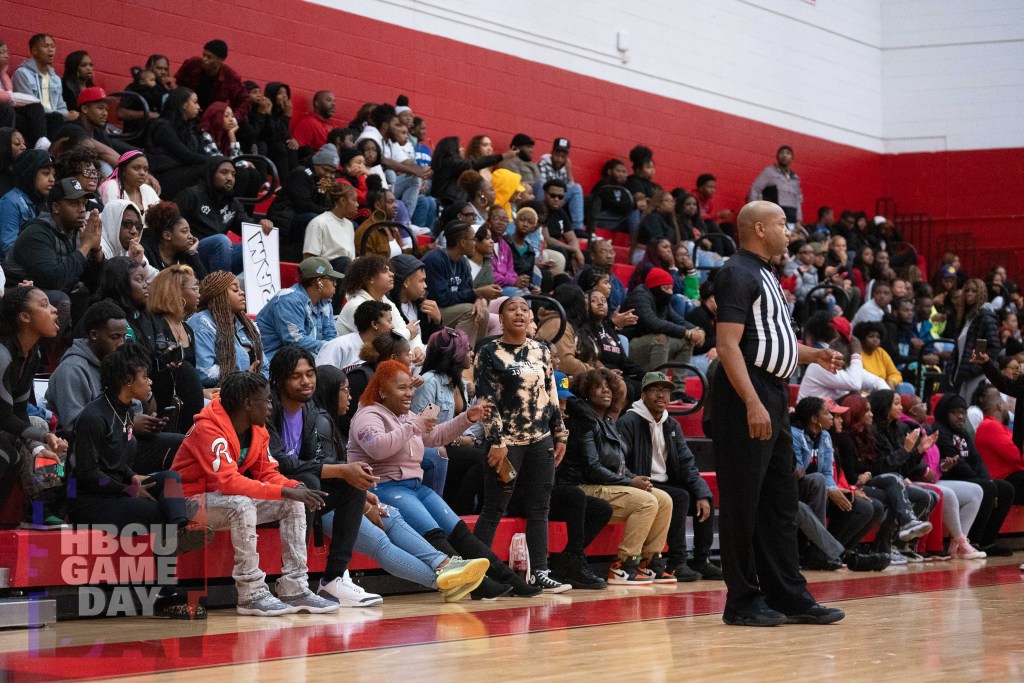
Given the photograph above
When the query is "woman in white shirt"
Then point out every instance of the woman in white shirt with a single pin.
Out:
(130, 181)
(331, 235)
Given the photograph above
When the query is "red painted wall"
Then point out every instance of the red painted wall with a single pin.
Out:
(464, 90)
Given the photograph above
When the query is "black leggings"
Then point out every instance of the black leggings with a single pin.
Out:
(348, 503)
(464, 486)
(122, 510)
(535, 464)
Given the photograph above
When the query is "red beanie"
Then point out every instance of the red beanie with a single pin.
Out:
(656, 277)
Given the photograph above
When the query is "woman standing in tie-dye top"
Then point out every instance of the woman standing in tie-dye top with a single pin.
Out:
(515, 374)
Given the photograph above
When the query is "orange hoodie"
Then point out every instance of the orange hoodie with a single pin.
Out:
(208, 459)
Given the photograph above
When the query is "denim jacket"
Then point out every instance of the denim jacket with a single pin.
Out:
(206, 353)
(291, 318)
(437, 389)
(28, 80)
(803, 449)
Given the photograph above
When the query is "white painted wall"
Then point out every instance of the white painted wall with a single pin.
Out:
(952, 74)
(883, 75)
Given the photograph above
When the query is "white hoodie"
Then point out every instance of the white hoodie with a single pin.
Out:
(659, 463)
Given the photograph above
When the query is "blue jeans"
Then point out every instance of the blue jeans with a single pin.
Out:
(574, 202)
(425, 214)
(397, 548)
(435, 470)
(407, 188)
(423, 509)
(681, 305)
(218, 253)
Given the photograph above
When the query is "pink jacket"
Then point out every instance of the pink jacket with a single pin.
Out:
(393, 445)
(5, 87)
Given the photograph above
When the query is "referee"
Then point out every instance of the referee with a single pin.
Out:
(752, 445)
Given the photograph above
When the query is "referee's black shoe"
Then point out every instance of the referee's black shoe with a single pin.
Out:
(816, 614)
(760, 617)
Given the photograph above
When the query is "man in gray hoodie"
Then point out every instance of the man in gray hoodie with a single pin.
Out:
(657, 449)
(76, 383)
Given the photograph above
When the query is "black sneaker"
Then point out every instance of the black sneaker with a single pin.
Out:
(685, 573)
(761, 617)
(816, 614)
(542, 579)
(707, 570)
(681, 396)
(489, 589)
(871, 562)
(816, 561)
(580, 575)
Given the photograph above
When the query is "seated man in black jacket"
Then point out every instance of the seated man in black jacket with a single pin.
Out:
(704, 317)
(60, 251)
(657, 449)
(295, 445)
(660, 335)
(300, 198)
(212, 210)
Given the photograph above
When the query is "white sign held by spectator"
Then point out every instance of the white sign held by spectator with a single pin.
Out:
(261, 262)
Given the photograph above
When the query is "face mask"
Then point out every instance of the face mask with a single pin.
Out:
(661, 297)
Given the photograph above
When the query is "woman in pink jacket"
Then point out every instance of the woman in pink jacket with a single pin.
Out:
(385, 434)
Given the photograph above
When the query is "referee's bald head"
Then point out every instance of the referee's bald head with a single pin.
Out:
(762, 228)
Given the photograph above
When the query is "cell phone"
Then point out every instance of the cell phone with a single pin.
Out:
(981, 346)
(506, 472)
(431, 411)
(849, 495)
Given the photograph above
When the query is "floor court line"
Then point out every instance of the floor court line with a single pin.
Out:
(292, 639)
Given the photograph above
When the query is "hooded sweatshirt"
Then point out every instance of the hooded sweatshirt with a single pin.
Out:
(50, 258)
(208, 459)
(22, 203)
(957, 442)
(111, 240)
(659, 464)
(74, 384)
(394, 444)
(208, 211)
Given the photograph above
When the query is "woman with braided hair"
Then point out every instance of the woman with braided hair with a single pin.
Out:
(224, 335)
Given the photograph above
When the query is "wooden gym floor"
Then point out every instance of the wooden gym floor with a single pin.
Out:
(936, 621)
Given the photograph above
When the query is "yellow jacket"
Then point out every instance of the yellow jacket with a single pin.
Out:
(880, 364)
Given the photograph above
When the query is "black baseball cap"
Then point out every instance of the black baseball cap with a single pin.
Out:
(522, 140)
(68, 188)
(560, 145)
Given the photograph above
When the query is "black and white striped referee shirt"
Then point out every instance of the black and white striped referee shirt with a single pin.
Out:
(747, 292)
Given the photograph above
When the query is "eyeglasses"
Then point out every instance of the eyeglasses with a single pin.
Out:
(268, 401)
(556, 196)
(467, 214)
(90, 173)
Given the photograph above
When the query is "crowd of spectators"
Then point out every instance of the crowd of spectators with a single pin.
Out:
(412, 375)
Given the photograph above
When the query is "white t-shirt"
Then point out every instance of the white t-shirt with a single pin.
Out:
(330, 237)
(341, 352)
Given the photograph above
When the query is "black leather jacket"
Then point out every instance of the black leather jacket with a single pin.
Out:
(595, 453)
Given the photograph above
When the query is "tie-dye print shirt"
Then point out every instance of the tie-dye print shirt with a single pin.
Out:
(519, 381)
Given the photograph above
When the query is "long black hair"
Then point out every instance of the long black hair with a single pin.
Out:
(446, 151)
(173, 113)
(805, 409)
(284, 362)
(15, 302)
(115, 284)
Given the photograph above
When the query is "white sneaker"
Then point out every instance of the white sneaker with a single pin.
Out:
(346, 593)
(43, 143)
(420, 230)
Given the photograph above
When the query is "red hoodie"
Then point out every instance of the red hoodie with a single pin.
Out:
(208, 459)
(995, 444)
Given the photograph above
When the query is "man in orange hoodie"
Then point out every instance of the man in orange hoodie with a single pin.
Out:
(224, 463)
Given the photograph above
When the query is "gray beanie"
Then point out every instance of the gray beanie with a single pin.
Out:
(327, 156)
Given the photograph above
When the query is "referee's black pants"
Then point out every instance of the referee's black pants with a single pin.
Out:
(758, 499)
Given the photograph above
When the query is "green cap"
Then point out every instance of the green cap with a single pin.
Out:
(654, 378)
(317, 266)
